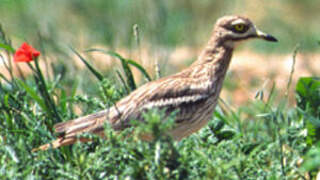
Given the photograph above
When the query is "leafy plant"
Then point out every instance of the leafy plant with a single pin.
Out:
(308, 91)
(308, 100)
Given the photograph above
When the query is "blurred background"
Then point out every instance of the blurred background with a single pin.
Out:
(167, 33)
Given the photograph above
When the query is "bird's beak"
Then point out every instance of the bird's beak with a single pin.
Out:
(265, 36)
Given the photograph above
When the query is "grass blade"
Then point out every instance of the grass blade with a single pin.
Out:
(89, 66)
(140, 68)
(33, 94)
(124, 62)
(123, 82)
(7, 47)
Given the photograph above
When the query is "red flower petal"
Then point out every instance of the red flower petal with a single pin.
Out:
(25, 53)
(21, 56)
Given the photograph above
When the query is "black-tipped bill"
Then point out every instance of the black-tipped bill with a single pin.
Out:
(266, 36)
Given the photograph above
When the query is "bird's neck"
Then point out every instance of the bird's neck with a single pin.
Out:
(217, 51)
(215, 58)
(211, 66)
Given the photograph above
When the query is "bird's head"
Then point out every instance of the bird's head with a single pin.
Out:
(233, 29)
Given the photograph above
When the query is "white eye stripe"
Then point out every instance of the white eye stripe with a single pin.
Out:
(238, 21)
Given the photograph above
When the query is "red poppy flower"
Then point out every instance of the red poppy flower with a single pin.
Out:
(25, 53)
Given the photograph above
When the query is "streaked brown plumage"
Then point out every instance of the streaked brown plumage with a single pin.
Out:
(193, 92)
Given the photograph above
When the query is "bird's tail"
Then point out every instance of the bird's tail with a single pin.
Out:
(69, 130)
(60, 142)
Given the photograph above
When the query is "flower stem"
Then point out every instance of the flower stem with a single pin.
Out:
(44, 92)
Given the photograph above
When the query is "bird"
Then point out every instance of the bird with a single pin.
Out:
(191, 93)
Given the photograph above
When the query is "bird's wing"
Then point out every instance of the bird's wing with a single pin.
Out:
(170, 93)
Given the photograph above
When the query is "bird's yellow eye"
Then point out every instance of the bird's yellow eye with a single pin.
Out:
(240, 28)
